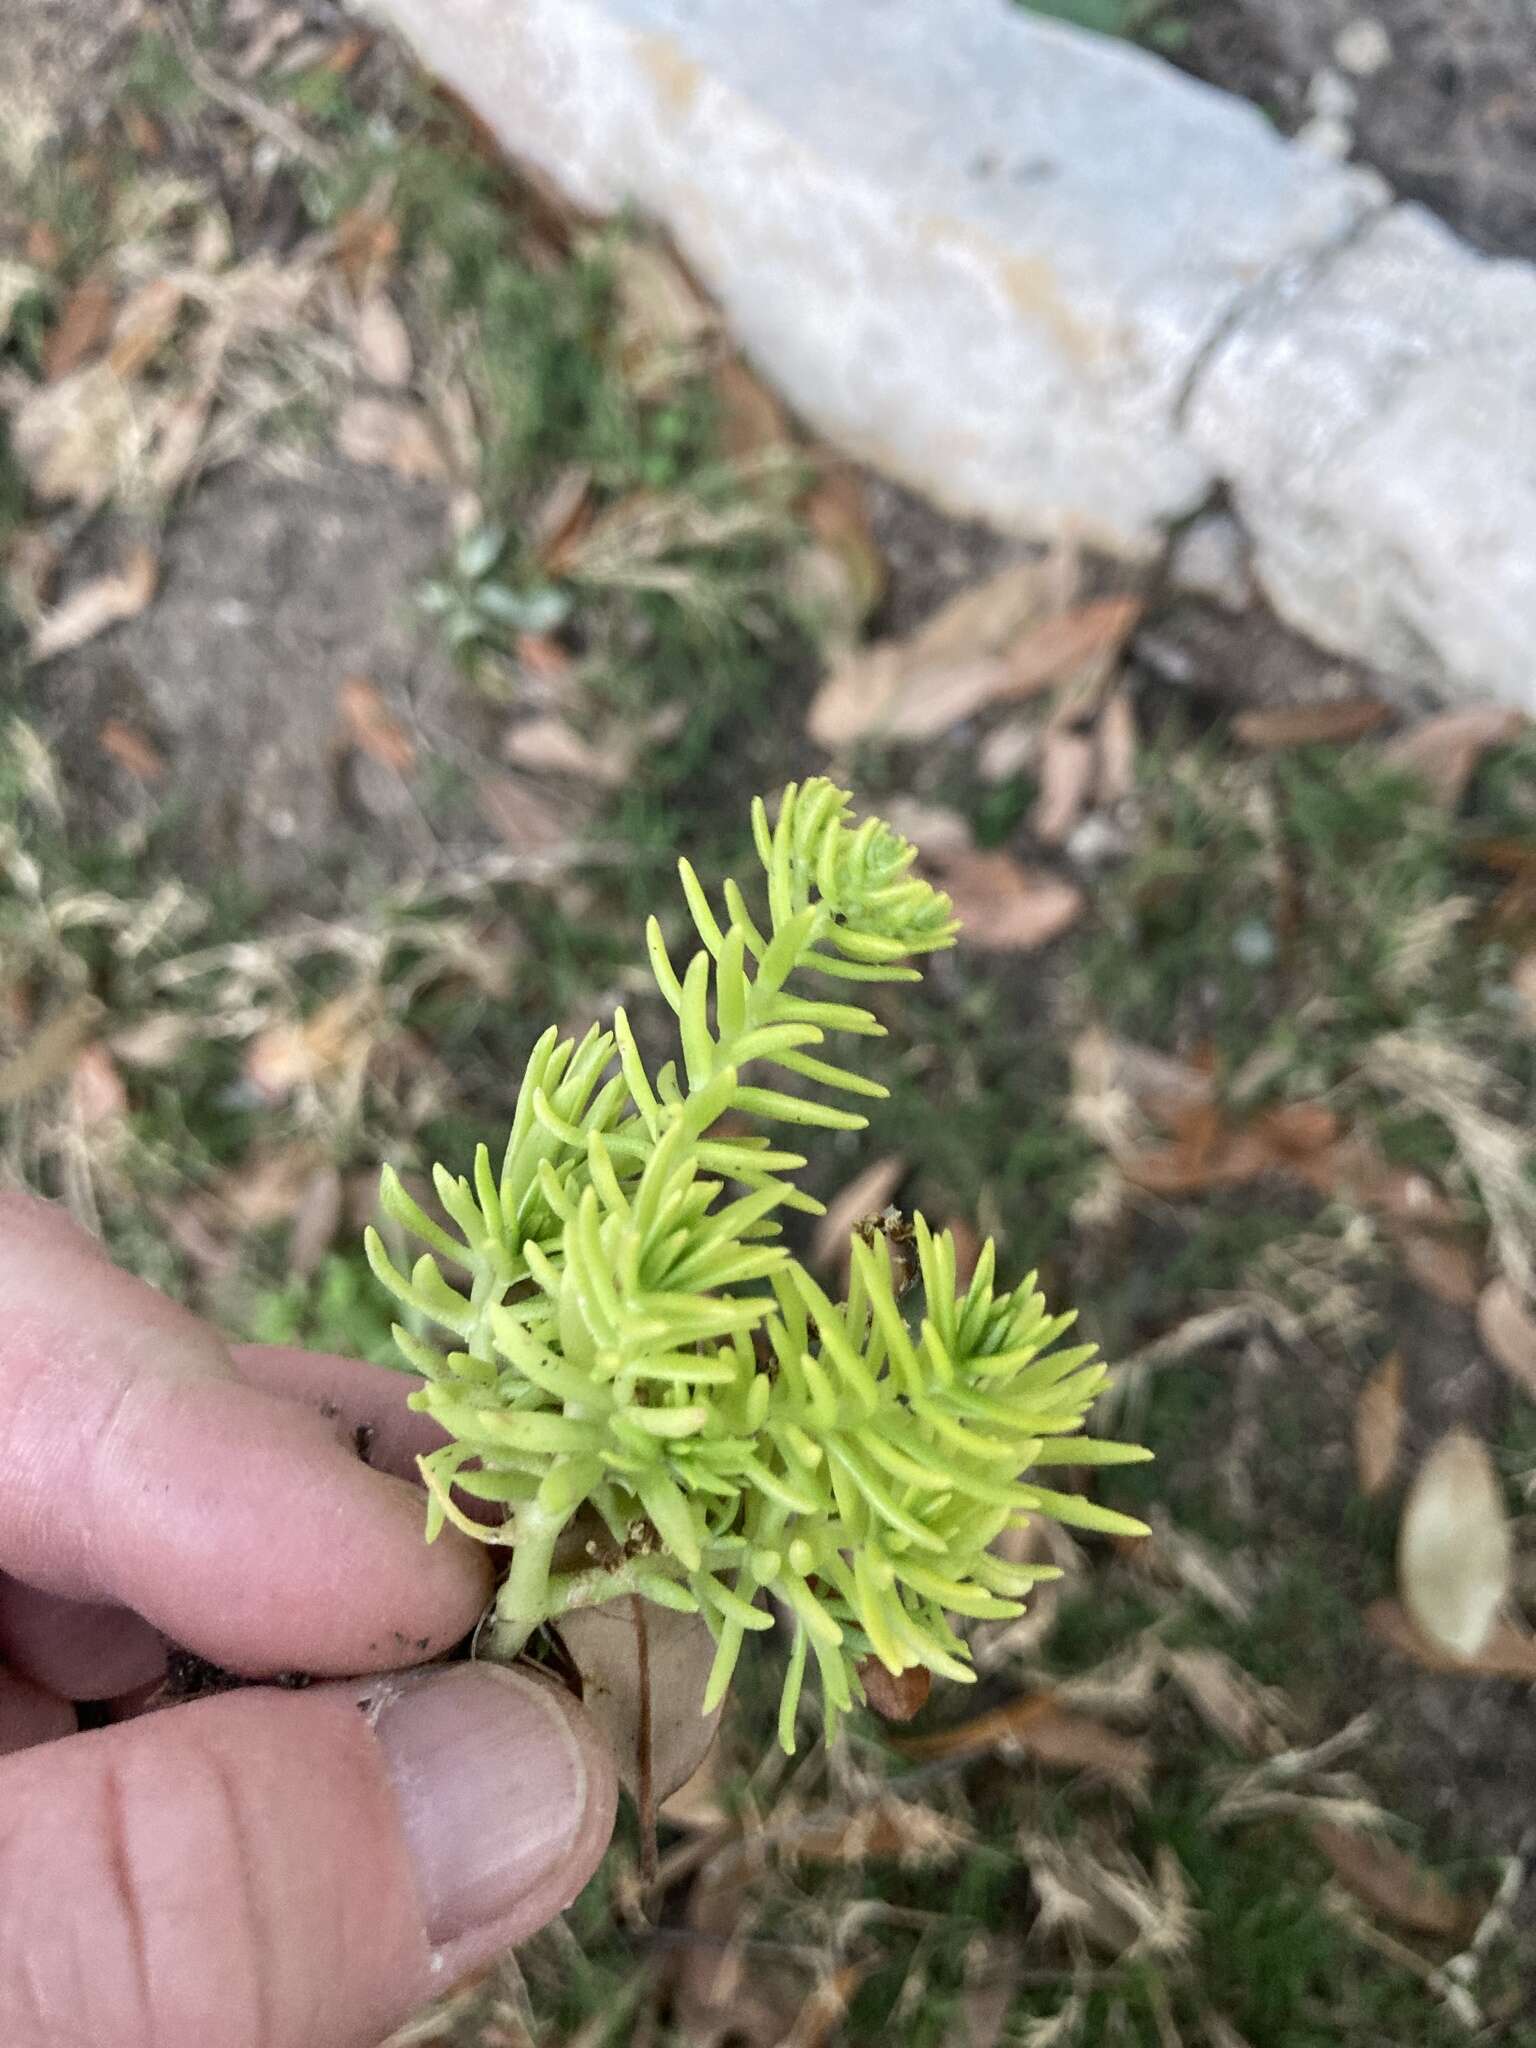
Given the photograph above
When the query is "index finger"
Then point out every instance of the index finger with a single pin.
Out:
(137, 1467)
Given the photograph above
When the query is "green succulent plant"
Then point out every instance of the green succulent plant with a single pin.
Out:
(628, 1336)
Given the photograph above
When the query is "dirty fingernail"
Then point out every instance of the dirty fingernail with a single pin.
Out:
(505, 1794)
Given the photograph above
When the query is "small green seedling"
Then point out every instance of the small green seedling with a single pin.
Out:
(633, 1345)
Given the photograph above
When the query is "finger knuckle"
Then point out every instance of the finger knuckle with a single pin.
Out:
(110, 1932)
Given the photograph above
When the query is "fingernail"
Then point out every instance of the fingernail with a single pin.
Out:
(495, 1789)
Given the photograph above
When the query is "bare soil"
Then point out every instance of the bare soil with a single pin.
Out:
(274, 592)
(1449, 119)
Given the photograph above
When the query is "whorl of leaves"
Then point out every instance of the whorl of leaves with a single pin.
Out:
(629, 1337)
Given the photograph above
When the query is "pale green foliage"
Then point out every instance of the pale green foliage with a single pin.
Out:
(631, 1338)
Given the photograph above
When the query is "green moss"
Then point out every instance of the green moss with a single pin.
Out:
(155, 75)
(1159, 24)
(1292, 908)
(337, 1310)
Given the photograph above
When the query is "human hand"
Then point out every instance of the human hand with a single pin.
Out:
(264, 1868)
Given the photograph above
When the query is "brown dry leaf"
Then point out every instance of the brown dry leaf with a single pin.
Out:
(894, 1696)
(266, 1187)
(1090, 636)
(1449, 1268)
(560, 519)
(97, 1094)
(382, 340)
(104, 601)
(1379, 1425)
(81, 329)
(51, 1051)
(74, 438)
(837, 517)
(390, 433)
(868, 690)
(548, 746)
(144, 324)
(1310, 725)
(132, 752)
(1067, 770)
(343, 56)
(1298, 1130)
(1157, 1082)
(698, 1805)
(365, 242)
(898, 1830)
(1035, 1726)
(752, 419)
(527, 820)
(603, 1641)
(865, 1196)
(948, 669)
(1248, 1715)
(1355, 1170)
(1454, 1556)
(819, 2021)
(1508, 1332)
(546, 661)
(316, 1220)
(372, 727)
(1509, 1652)
(664, 320)
(42, 247)
(1446, 752)
(1207, 1152)
(1115, 738)
(1522, 979)
(1006, 908)
(143, 132)
(1299, 1137)
(1393, 1884)
(336, 1039)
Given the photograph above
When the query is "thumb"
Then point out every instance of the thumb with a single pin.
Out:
(275, 1869)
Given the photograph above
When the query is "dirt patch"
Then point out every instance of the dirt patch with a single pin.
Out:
(274, 593)
(1444, 95)
(928, 556)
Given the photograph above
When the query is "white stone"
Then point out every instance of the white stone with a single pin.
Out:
(1045, 279)
(1362, 47)
(1331, 95)
(982, 250)
(1210, 559)
(1377, 424)
(1328, 136)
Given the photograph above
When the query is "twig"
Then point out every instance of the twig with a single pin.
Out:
(251, 109)
(644, 1756)
(1463, 1969)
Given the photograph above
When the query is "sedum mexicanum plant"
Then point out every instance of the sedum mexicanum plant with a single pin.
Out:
(626, 1336)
